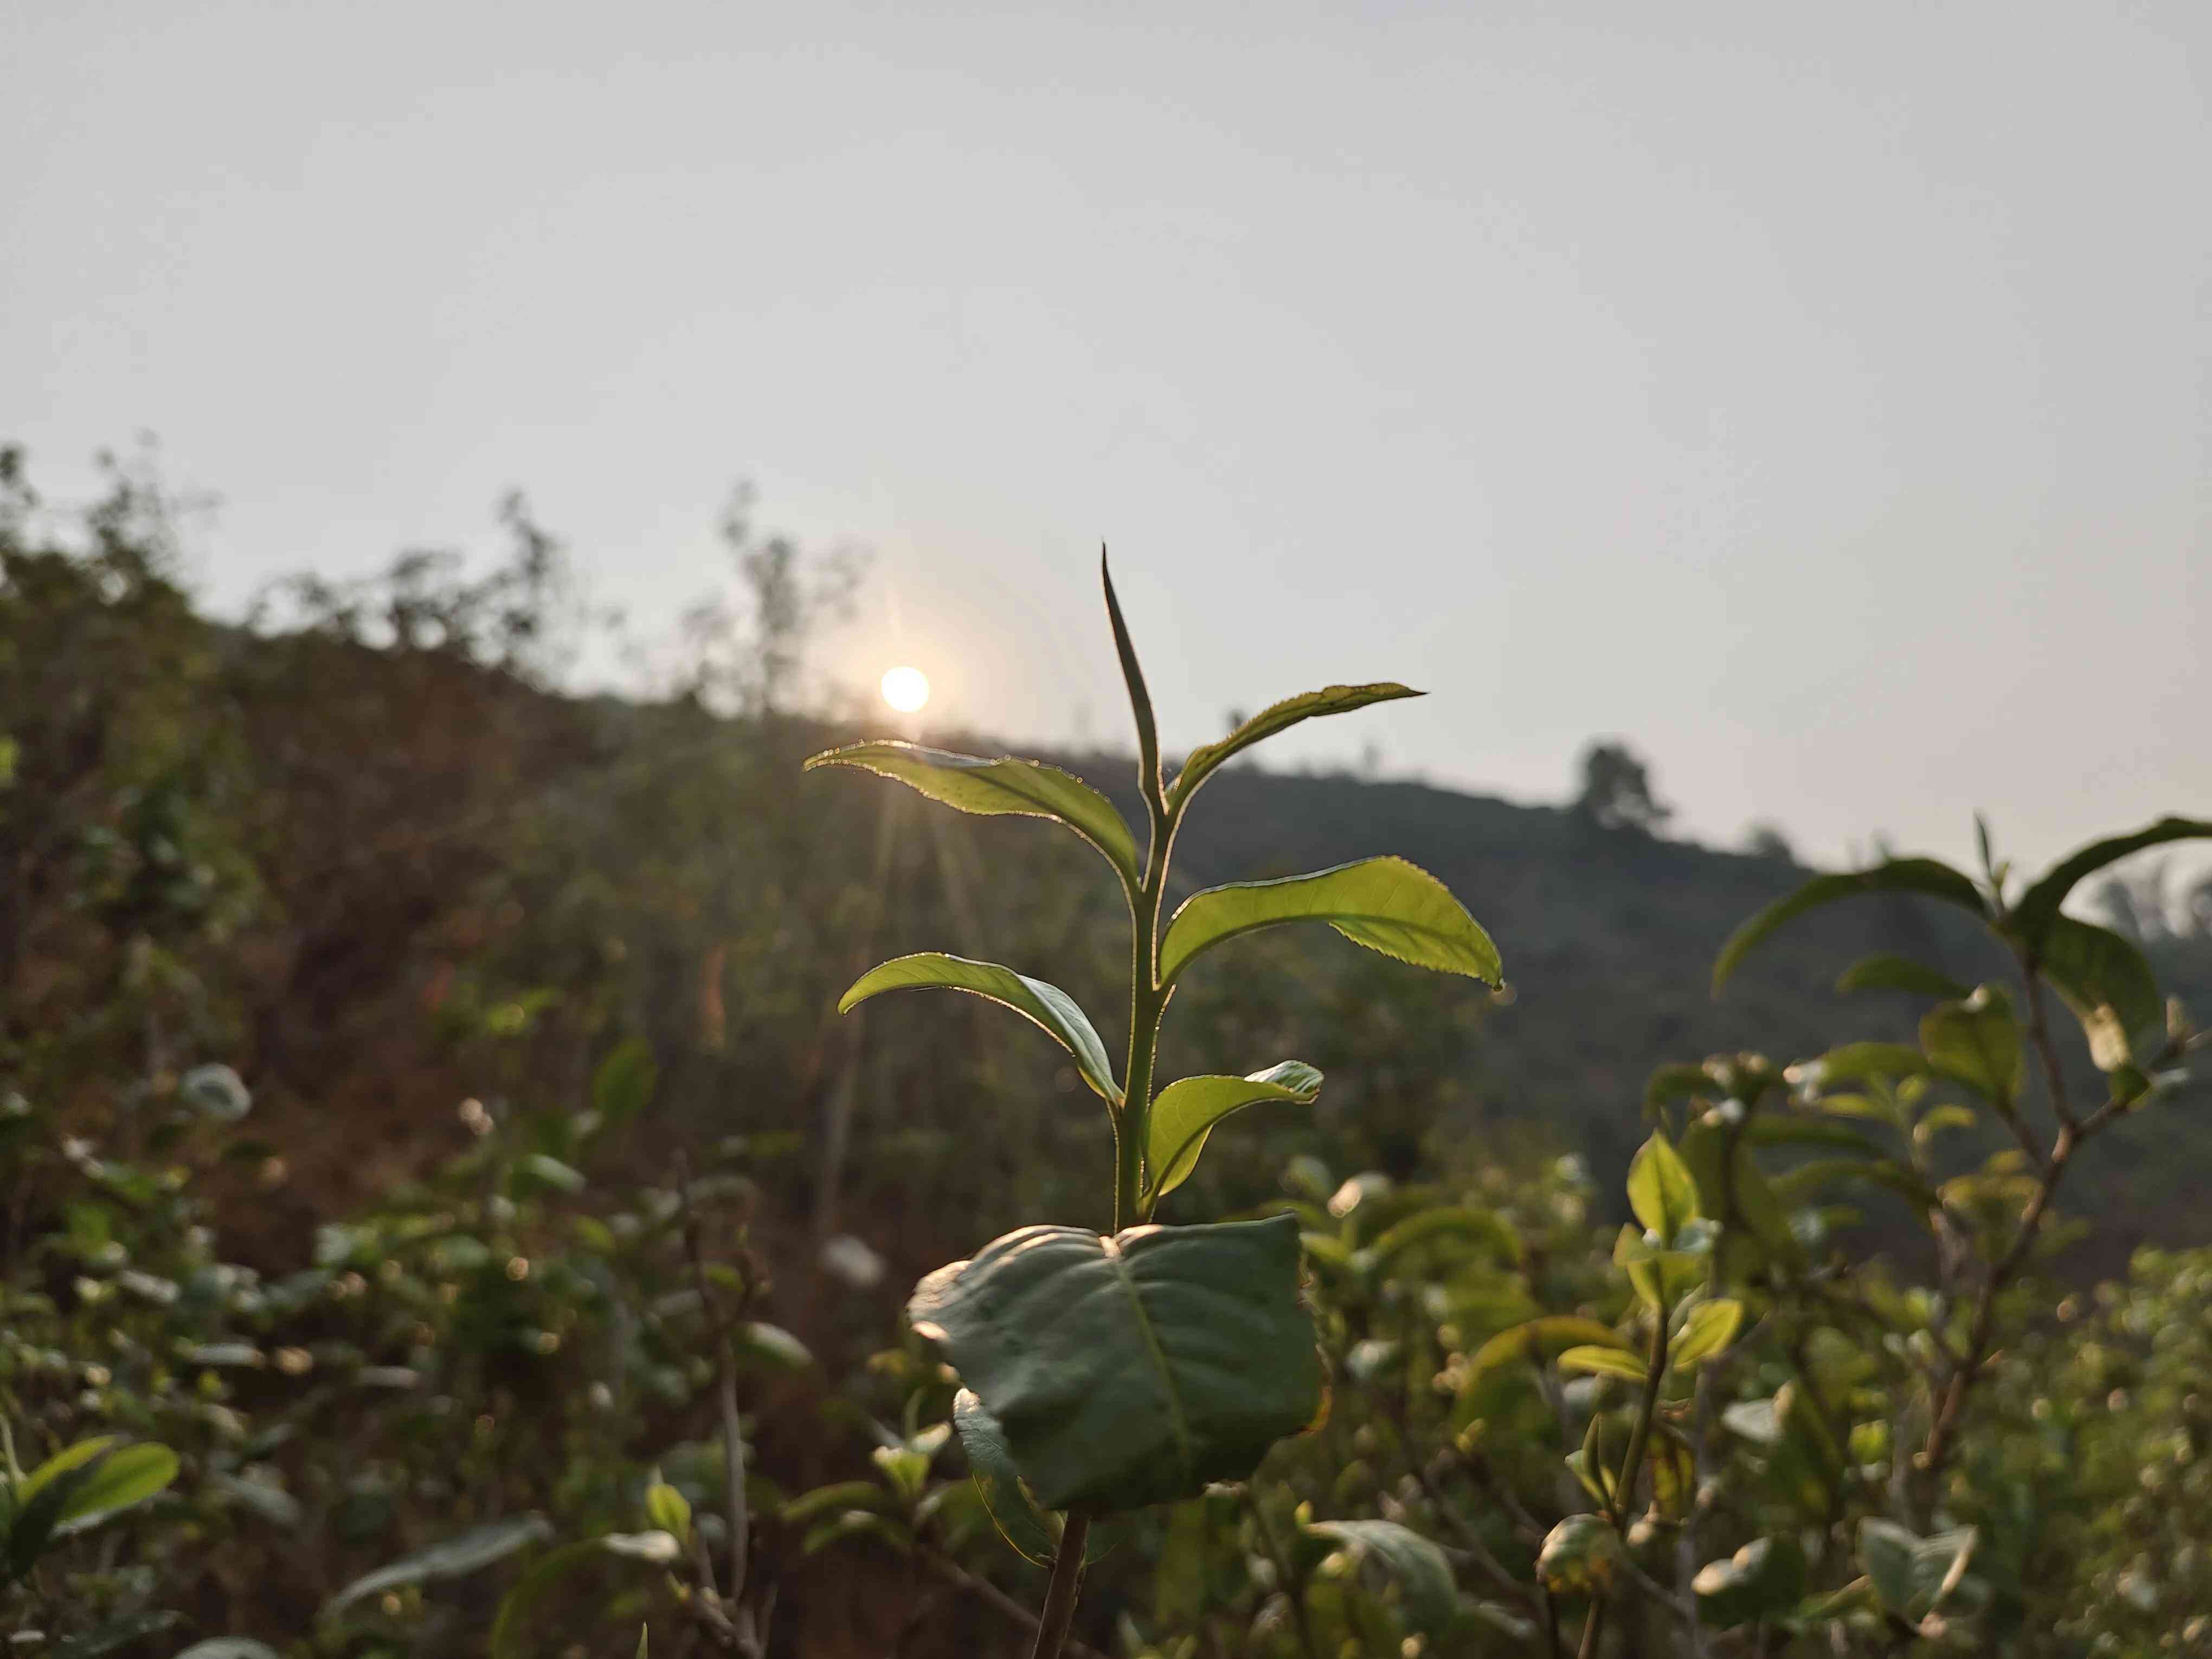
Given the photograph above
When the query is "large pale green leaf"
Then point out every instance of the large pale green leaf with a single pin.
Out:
(1047, 1005)
(1423, 1571)
(2107, 983)
(1187, 1111)
(993, 788)
(1929, 878)
(1278, 717)
(1132, 1370)
(1660, 1190)
(1976, 1042)
(1887, 972)
(467, 1552)
(2039, 907)
(1386, 905)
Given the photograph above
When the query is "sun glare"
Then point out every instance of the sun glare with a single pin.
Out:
(906, 689)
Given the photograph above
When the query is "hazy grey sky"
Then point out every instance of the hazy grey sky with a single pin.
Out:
(1820, 396)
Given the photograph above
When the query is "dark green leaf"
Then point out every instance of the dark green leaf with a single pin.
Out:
(1895, 973)
(1005, 1499)
(467, 1552)
(1885, 1551)
(1674, 1081)
(116, 1633)
(624, 1082)
(1429, 1232)
(1976, 1043)
(995, 788)
(38, 1511)
(1930, 877)
(1856, 1062)
(1048, 1005)
(1135, 1369)
(2039, 907)
(1423, 1571)
(510, 1636)
(1765, 1577)
(2107, 983)
(1187, 1111)
(1278, 717)
(1385, 904)
(1660, 1190)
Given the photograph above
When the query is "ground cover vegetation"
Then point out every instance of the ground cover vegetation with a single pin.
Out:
(446, 1212)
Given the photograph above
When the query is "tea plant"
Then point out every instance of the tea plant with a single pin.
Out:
(1105, 1373)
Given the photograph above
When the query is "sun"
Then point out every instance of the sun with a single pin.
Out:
(906, 689)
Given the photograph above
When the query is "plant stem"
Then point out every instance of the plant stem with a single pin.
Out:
(1066, 1584)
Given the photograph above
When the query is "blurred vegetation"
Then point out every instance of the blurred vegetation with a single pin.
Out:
(416, 1079)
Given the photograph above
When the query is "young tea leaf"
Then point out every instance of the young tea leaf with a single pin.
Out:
(1660, 1190)
(1186, 1111)
(1976, 1043)
(1132, 678)
(1386, 905)
(1423, 1571)
(1132, 1370)
(1887, 972)
(1929, 878)
(2107, 981)
(1710, 1328)
(122, 1478)
(469, 1551)
(1048, 1005)
(2039, 907)
(1603, 1361)
(1278, 717)
(995, 788)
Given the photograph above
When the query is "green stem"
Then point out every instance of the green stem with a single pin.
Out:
(1066, 1584)
(1624, 1489)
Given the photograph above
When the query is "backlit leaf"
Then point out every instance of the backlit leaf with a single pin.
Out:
(2039, 907)
(1604, 1362)
(1707, 1330)
(1047, 1005)
(1386, 905)
(1278, 717)
(1186, 1111)
(994, 787)
(1929, 878)
(122, 1478)
(1660, 1190)
(2106, 980)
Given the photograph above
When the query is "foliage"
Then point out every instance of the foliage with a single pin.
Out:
(293, 1361)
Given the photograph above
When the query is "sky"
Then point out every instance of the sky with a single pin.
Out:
(1819, 398)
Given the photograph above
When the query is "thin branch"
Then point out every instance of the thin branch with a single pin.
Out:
(1060, 1597)
(739, 1631)
(989, 1594)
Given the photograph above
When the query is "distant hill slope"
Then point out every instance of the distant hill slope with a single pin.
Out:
(1609, 936)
